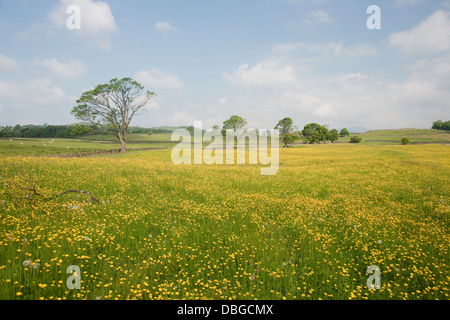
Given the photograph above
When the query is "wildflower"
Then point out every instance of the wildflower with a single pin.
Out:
(86, 238)
(379, 241)
(19, 294)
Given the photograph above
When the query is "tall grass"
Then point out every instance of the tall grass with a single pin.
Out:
(164, 231)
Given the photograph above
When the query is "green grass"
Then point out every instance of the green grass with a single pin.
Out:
(58, 146)
(164, 231)
(416, 136)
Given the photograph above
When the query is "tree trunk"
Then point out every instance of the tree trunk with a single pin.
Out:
(122, 142)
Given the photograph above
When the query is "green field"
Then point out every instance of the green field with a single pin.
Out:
(161, 231)
(58, 146)
(415, 136)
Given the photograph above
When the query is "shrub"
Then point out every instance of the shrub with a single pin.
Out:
(405, 141)
(355, 139)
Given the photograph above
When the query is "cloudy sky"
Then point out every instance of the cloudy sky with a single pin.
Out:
(311, 60)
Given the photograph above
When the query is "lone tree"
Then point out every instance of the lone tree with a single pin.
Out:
(286, 127)
(113, 105)
(236, 124)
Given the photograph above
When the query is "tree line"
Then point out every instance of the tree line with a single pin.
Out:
(289, 133)
(66, 131)
(440, 125)
(47, 131)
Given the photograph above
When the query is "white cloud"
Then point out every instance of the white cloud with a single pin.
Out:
(165, 26)
(431, 36)
(439, 66)
(8, 64)
(349, 99)
(181, 118)
(317, 17)
(287, 47)
(97, 20)
(159, 79)
(69, 70)
(152, 106)
(268, 73)
(31, 93)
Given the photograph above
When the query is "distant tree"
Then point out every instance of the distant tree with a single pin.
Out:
(438, 125)
(441, 125)
(216, 127)
(286, 127)
(113, 105)
(405, 141)
(355, 139)
(236, 124)
(344, 133)
(81, 130)
(190, 129)
(334, 135)
(315, 133)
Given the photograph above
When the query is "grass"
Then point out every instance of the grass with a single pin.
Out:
(164, 231)
(389, 137)
(55, 146)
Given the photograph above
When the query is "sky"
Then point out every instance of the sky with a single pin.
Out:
(264, 60)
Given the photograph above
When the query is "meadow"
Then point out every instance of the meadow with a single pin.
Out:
(162, 231)
(79, 145)
(393, 137)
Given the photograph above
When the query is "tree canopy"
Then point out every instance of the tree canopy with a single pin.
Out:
(440, 125)
(344, 132)
(235, 123)
(314, 133)
(286, 127)
(113, 105)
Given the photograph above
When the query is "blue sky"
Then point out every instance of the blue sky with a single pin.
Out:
(311, 60)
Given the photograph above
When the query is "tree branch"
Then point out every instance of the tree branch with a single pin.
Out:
(56, 196)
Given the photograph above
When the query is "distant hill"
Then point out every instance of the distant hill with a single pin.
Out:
(393, 136)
